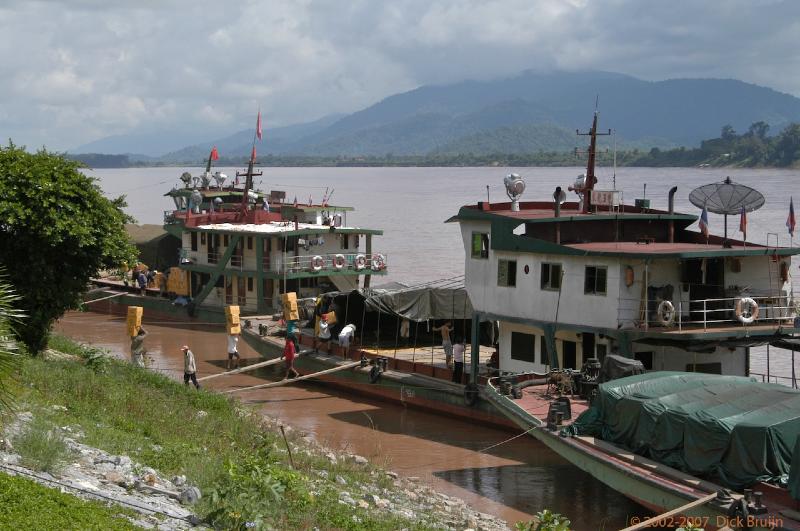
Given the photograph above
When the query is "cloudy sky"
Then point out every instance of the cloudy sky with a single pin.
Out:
(77, 70)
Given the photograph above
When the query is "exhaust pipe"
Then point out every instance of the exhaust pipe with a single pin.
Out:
(671, 209)
(557, 211)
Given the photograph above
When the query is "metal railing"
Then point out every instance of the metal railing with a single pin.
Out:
(706, 313)
(358, 262)
(211, 257)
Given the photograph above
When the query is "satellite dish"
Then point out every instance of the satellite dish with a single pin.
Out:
(726, 197)
(205, 178)
(220, 177)
(186, 177)
(515, 186)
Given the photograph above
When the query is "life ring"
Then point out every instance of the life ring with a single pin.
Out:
(665, 313)
(317, 262)
(471, 394)
(361, 262)
(746, 310)
(374, 374)
(378, 262)
(339, 261)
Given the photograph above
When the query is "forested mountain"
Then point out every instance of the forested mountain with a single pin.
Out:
(523, 114)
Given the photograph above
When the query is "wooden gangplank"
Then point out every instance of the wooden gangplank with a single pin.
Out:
(298, 379)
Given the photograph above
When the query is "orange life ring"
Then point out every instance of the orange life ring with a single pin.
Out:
(361, 261)
(339, 261)
(317, 263)
(746, 310)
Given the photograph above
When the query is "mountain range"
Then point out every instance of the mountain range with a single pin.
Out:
(530, 112)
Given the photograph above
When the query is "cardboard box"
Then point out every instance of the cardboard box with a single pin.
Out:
(232, 322)
(134, 320)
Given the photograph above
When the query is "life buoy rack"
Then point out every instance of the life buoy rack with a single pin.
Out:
(746, 310)
(339, 261)
(378, 262)
(361, 261)
(317, 263)
(665, 313)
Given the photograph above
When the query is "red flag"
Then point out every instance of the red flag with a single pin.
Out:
(258, 126)
(743, 222)
(790, 221)
(253, 154)
(214, 153)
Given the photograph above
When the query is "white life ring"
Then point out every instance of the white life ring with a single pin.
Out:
(746, 310)
(665, 313)
(317, 262)
(378, 262)
(361, 262)
(339, 261)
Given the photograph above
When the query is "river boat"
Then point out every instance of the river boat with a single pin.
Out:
(576, 285)
(230, 244)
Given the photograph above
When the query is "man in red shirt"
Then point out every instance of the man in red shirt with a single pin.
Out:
(289, 355)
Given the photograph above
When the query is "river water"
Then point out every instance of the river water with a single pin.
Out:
(513, 480)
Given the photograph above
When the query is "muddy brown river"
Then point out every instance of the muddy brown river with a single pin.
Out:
(513, 480)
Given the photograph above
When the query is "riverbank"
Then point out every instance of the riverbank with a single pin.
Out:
(231, 454)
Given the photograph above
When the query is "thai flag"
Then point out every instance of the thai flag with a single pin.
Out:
(743, 222)
(704, 222)
(790, 221)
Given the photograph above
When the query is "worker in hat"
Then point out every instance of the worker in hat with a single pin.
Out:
(189, 367)
(324, 332)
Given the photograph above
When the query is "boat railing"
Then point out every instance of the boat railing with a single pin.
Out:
(335, 262)
(741, 311)
(210, 257)
(790, 381)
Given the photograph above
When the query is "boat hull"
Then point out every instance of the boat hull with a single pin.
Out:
(411, 390)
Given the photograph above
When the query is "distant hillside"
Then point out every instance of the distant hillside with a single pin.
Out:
(529, 112)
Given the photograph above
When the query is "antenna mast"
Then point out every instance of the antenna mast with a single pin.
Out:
(590, 177)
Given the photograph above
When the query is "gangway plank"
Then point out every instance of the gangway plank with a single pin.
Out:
(298, 379)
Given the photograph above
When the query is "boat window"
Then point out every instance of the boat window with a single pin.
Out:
(249, 283)
(544, 355)
(705, 368)
(225, 240)
(202, 238)
(646, 358)
(602, 350)
(551, 276)
(194, 241)
(345, 241)
(249, 242)
(507, 273)
(523, 347)
(595, 281)
(480, 245)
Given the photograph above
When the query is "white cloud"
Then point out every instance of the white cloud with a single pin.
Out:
(83, 69)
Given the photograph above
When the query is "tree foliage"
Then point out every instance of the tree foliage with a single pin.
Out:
(57, 230)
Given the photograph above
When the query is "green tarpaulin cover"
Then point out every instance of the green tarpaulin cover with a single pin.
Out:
(730, 429)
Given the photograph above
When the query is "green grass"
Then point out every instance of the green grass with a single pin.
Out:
(41, 446)
(227, 452)
(28, 505)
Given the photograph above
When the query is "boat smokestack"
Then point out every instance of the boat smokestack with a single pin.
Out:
(671, 209)
(558, 197)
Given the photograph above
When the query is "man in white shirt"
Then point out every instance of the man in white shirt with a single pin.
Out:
(189, 367)
(458, 357)
(346, 335)
(233, 352)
